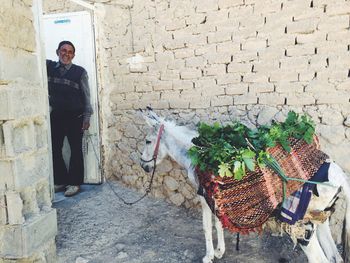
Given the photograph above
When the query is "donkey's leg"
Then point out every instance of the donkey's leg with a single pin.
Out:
(220, 250)
(313, 251)
(327, 243)
(338, 177)
(207, 227)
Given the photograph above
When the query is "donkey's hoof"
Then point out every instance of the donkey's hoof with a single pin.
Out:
(208, 259)
(219, 252)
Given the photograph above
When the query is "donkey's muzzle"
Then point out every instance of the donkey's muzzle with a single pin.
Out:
(146, 167)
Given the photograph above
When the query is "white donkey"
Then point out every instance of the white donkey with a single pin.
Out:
(169, 139)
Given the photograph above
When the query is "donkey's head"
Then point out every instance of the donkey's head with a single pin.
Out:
(155, 150)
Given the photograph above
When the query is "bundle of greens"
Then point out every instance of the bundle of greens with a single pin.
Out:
(233, 149)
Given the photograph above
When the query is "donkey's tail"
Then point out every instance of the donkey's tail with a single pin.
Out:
(342, 180)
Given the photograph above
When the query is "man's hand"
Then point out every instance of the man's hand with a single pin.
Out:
(86, 125)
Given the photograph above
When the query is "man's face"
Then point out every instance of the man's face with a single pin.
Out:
(65, 54)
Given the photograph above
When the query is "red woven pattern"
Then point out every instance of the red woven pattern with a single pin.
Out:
(244, 205)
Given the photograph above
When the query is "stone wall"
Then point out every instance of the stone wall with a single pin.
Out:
(27, 221)
(206, 60)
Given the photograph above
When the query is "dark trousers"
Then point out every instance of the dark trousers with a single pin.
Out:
(67, 124)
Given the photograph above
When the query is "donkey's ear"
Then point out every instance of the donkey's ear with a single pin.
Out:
(152, 114)
(150, 120)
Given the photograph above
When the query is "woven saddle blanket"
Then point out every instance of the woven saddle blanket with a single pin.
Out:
(245, 205)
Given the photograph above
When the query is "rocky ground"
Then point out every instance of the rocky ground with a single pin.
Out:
(96, 227)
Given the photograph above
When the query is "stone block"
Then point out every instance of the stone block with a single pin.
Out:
(221, 101)
(132, 96)
(184, 53)
(245, 99)
(297, 63)
(284, 75)
(200, 103)
(228, 78)
(174, 44)
(229, 3)
(3, 211)
(160, 104)
(194, 62)
(170, 75)
(16, 101)
(236, 89)
(255, 77)
(219, 37)
(171, 183)
(289, 87)
(208, 49)
(19, 66)
(162, 85)
(176, 198)
(18, 32)
(22, 241)
(179, 104)
(182, 84)
(14, 204)
(164, 58)
(228, 47)
(203, 6)
(338, 9)
(130, 105)
(217, 58)
(215, 70)
(315, 38)
(175, 24)
(333, 23)
(300, 99)
(271, 99)
(212, 91)
(338, 36)
(332, 97)
(19, 137)
(191, 74)
(305, 26)
(301, 50)
(205, 82)
(343, 86)
(150, 96)
(317, 86)
(261, 87)
(24, 170)
(254, 44)
(243, 67)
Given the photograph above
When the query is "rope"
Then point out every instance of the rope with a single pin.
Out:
(274, 165)
(148, 189)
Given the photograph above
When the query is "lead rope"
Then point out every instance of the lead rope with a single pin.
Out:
(154, 159)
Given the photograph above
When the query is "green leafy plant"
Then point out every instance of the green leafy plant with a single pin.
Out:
(233, 149)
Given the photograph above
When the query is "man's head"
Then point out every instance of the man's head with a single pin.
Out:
(65, 52)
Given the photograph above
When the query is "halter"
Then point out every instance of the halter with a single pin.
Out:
(154, 159)
(156, 148)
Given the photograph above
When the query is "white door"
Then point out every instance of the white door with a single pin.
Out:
(77, 28)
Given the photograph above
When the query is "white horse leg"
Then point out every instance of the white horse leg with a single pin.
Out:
(314, 252)
(220, 250)
(207, 227)
(327, 243)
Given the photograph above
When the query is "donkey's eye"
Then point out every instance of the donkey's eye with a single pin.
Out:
(148, 142)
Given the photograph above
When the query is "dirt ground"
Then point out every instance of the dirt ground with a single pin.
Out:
(96, 227)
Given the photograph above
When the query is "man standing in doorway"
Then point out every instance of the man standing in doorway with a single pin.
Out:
(69, 98)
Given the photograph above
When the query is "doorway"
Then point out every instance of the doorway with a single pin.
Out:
(77, 27)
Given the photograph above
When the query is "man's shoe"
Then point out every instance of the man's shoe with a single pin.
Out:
(72, 190)
(59, 188)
